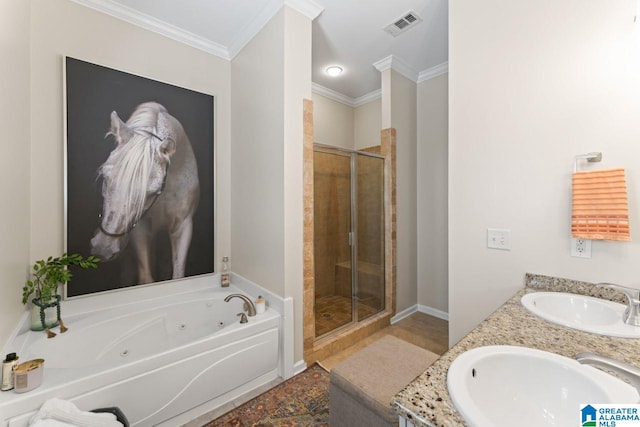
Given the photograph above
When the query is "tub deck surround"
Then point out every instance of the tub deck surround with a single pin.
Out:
(426, 401)
(164, 356)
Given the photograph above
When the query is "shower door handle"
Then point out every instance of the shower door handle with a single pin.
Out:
(351, 238)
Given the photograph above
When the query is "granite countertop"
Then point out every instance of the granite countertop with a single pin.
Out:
(426, 402)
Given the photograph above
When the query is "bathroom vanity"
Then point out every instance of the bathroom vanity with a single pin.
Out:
(426, 401)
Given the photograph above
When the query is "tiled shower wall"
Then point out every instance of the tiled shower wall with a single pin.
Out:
(332, 223)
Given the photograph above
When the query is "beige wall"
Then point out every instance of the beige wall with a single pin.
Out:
(257, 158)
(297, 87)
(400, 93)
(333, 122)
(530, 88)
(432, 200)
(14, 169)
(367, 123)
(343, 126)
(266, 158)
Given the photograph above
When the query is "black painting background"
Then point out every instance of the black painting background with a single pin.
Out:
(93, 92)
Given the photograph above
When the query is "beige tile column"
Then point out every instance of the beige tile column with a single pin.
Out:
(308, 315)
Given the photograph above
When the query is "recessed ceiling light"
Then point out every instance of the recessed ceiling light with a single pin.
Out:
(334, 70)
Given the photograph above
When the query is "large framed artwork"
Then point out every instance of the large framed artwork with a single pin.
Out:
(139, 186)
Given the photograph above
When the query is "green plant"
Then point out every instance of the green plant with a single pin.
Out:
(47, 275)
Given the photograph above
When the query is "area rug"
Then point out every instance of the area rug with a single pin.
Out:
(302, 400)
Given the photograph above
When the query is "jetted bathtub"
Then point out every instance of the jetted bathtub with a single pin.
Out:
(154, 359)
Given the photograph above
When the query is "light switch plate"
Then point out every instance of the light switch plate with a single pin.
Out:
(498, 238)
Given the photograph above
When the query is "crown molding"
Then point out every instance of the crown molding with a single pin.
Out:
(344, 99)
(155, 25)
(398, 65)
(384, 64)
(404, 69)
(308, 8)
(432, 72)
(367, 98)
(251, 29)
(332, 94)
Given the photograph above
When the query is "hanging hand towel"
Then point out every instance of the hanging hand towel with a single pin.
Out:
(600, 209)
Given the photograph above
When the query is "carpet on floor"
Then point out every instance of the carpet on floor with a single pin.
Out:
(302, 400)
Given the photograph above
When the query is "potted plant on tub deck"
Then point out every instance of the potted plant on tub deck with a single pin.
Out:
(47, 275)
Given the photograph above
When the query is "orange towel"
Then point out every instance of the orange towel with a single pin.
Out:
(600, 209)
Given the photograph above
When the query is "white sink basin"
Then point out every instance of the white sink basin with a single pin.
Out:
(581, 312)
(505, 386)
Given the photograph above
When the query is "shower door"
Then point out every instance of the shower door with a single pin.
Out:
(348, 237)
(332, 240)
(369, 289)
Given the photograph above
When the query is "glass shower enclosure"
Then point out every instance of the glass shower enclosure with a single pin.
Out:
(349, 253)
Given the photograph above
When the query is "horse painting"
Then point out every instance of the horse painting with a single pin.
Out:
(149, 185)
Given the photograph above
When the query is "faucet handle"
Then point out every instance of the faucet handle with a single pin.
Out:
(243, 317)
(631, 315)
(632, 294)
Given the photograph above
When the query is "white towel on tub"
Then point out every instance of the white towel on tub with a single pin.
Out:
(62, 413)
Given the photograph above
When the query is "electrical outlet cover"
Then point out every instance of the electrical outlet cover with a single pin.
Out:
(580, 248)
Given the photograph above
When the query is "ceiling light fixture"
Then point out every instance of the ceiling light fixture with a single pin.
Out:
(334, 70)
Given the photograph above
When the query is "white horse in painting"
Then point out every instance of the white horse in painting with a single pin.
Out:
(149, 185)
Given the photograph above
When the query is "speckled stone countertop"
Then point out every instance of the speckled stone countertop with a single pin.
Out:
(426, 402)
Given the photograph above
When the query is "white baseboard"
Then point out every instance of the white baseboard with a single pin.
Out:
(433, 312)
(404, 314)
(422, 309)
(299, 366)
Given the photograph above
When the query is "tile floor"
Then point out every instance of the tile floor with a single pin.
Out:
(420, 329)
(334, 311)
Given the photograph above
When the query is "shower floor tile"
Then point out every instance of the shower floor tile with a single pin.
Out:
(334, 311)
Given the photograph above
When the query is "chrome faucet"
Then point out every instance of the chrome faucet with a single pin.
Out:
(632, 313)
(623, 369)
(248, 304)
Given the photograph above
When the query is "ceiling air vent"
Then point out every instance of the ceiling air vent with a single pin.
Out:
(403, 23)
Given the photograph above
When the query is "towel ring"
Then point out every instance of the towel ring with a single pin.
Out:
(590, 157)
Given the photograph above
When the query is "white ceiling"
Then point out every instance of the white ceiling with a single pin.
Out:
(347, 32)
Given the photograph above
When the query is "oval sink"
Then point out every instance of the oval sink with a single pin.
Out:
(503, 386)
(581, 312)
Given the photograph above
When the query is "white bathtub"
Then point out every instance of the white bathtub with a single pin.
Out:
(155, 359)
